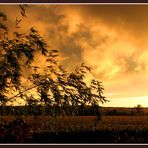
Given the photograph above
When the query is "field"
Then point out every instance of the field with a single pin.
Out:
(77, 129)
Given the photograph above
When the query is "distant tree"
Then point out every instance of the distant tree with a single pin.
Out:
(139, 110)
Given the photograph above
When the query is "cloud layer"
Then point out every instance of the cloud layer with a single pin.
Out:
(111, 38)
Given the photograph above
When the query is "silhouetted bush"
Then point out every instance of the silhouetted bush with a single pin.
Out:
(16, 131)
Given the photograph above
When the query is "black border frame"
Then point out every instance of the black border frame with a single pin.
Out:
(74, 146)
(73, 1)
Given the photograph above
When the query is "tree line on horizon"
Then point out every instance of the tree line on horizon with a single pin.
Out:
(84, 110)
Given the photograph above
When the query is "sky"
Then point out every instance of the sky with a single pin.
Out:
(110, 38)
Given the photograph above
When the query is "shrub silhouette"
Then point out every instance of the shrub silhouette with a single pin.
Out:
(17, 131)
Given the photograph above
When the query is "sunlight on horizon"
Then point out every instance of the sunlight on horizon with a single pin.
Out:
(127, 102)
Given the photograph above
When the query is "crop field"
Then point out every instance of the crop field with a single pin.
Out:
(79, 129)
(62, 123)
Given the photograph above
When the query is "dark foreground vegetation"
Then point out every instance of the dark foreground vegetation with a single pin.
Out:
(76, 129)
(38, 124)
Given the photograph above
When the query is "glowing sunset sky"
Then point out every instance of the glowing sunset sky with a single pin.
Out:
(113, 39)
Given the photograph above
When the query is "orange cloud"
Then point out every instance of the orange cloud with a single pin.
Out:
(111, 38)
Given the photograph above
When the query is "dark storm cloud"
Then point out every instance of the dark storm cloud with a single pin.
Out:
(48, 14)
(131, 64)
(71, 47)
(132, 17)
